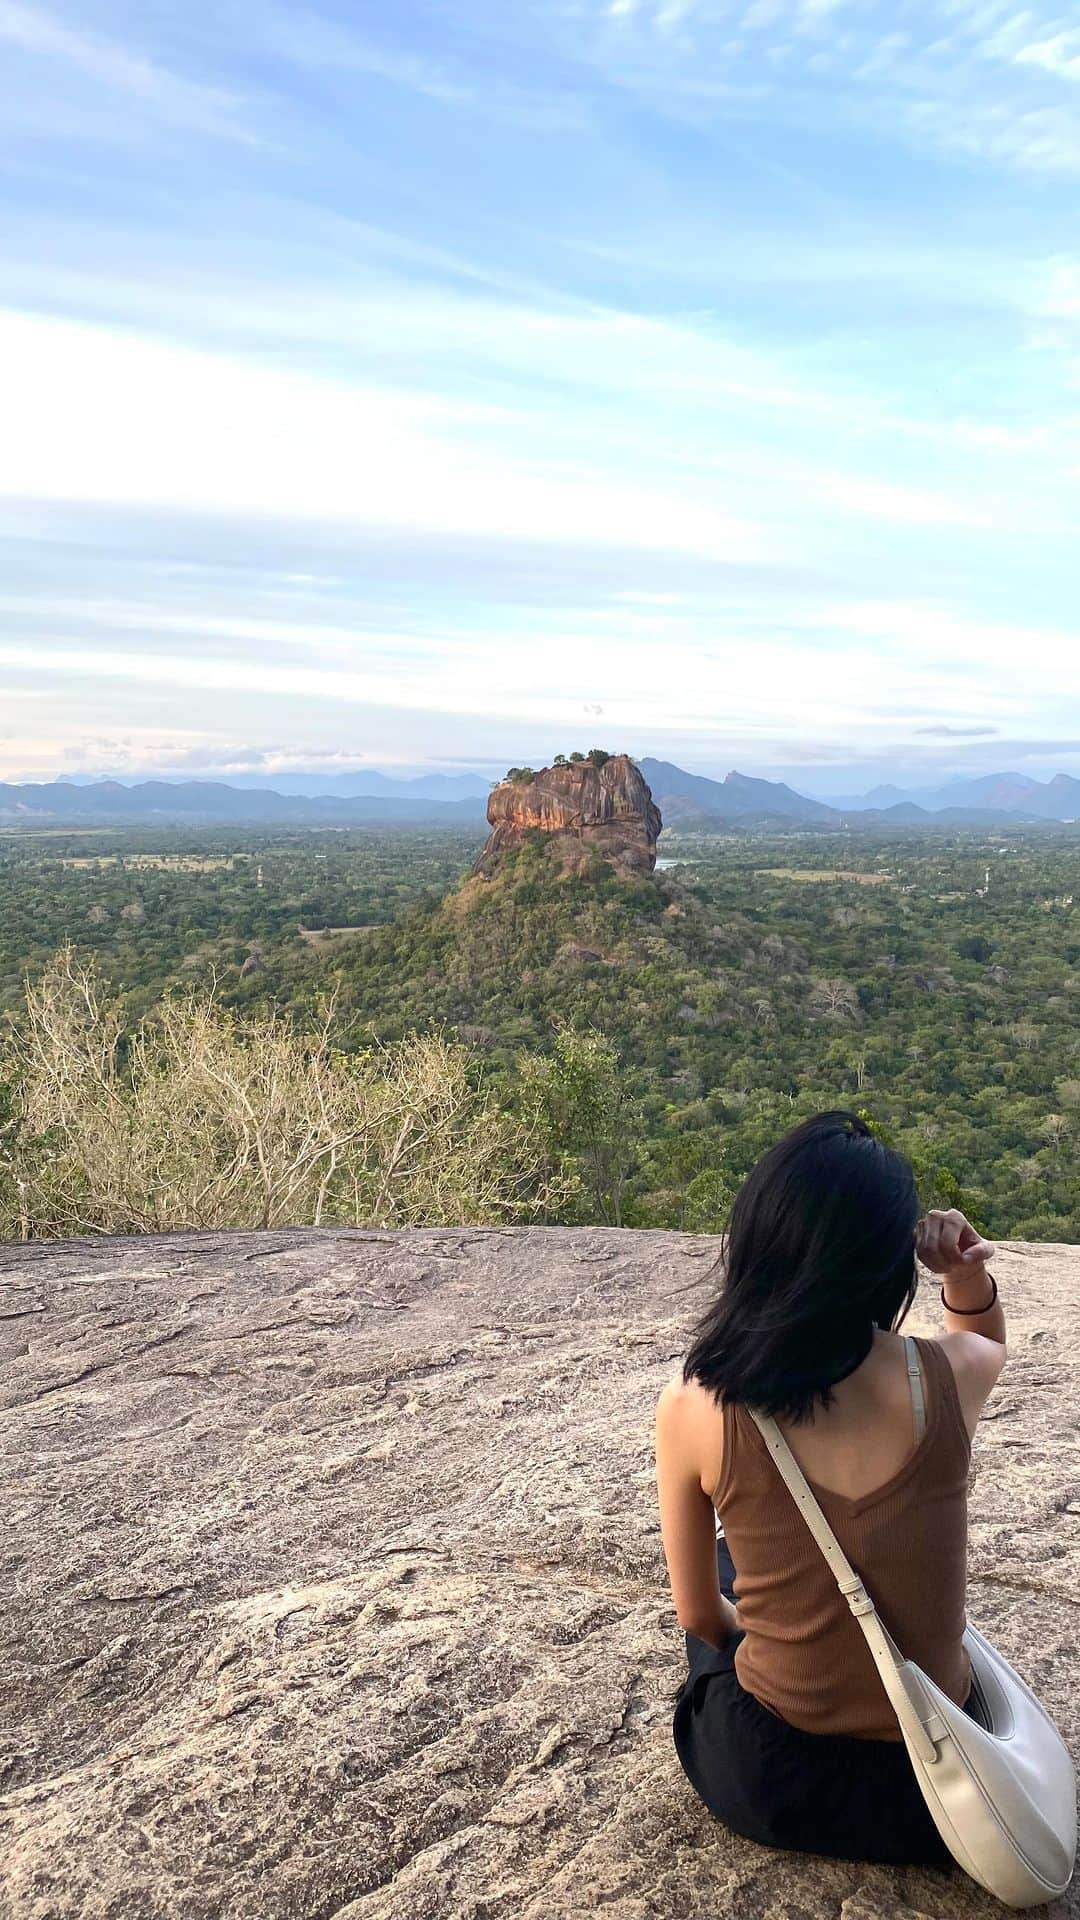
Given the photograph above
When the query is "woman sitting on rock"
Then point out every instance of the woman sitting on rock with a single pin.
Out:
(783, 1725)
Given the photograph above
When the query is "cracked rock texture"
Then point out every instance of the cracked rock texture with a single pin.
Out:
(607, 809)
(332, 1582)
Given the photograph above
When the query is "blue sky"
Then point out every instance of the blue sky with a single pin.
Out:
(420, 385)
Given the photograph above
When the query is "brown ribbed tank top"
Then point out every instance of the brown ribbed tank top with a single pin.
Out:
(803, 1654)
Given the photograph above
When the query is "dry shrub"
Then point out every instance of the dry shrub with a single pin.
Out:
(199, 1118)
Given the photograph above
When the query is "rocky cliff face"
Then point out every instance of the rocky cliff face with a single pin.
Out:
(331, 1581)
(607, 809)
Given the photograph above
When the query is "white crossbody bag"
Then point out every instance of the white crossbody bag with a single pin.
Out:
(1002, 1794)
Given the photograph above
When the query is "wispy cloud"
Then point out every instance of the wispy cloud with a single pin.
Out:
(168, 95)
(883, 500)
(609, 348)
(1037, 139)
(972, 79)
(316, 44)
(311, 40)
(777, 688)
(941, 732)
(1003, 657)
(99, 416)
(1059, 54)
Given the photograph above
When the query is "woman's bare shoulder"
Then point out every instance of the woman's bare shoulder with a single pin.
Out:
(691, 1414)
(969, 1353)
(690, 1396)
(976, 1363)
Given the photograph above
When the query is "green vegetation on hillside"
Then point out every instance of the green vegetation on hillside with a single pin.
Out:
(155, 907)
(200, 1118)
(651, 1036)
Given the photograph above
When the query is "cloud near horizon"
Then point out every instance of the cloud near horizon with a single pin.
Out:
(424, 396)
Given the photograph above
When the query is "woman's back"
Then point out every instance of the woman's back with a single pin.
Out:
(783, 1725)
(898, 1509)
(858, 1442)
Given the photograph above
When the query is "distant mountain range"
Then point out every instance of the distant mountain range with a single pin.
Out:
(687, 800)
(691, 800)
(163, 802)
(359, 784)
(1004, 793)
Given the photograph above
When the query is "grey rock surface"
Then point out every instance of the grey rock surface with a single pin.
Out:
(332, 1582)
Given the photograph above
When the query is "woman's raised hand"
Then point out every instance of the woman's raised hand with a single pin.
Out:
(946, 1242)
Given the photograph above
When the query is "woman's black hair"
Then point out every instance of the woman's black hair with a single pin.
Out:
(819, 1251)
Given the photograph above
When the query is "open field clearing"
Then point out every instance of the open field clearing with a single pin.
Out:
(823, 873)
(327, 936)
(159, 862)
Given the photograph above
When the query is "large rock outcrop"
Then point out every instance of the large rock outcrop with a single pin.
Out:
(607, 809)
(332, 1582)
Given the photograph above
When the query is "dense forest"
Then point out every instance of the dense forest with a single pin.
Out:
(650, 1036)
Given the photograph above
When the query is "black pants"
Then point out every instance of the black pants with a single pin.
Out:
(834, 1794)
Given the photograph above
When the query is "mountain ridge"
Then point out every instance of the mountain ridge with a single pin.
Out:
(686, 800)
(1005, 793)
(356, 784)
(157, 802)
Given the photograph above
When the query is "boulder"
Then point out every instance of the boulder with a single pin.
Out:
(607, 809)
(332, 1580)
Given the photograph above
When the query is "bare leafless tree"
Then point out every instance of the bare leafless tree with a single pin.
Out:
(201, 1118)
(836, 997)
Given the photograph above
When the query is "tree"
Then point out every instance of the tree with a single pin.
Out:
(708, 1201)
(939, 1187)
(975, 947)
(197, 1118)
(689, 1168)
(837, 997)
(1055, 1130)
(578, 1096)
(849, 1054)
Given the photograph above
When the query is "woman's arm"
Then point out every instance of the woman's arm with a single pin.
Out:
(974, 1337)
(947, 1243)
(688, 1521)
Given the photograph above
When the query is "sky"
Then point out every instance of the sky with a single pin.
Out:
(420, 386)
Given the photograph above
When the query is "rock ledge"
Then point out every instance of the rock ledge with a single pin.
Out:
(607, 810)
(332, 1583)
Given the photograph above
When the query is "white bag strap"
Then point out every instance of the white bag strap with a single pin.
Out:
(919, 1720)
